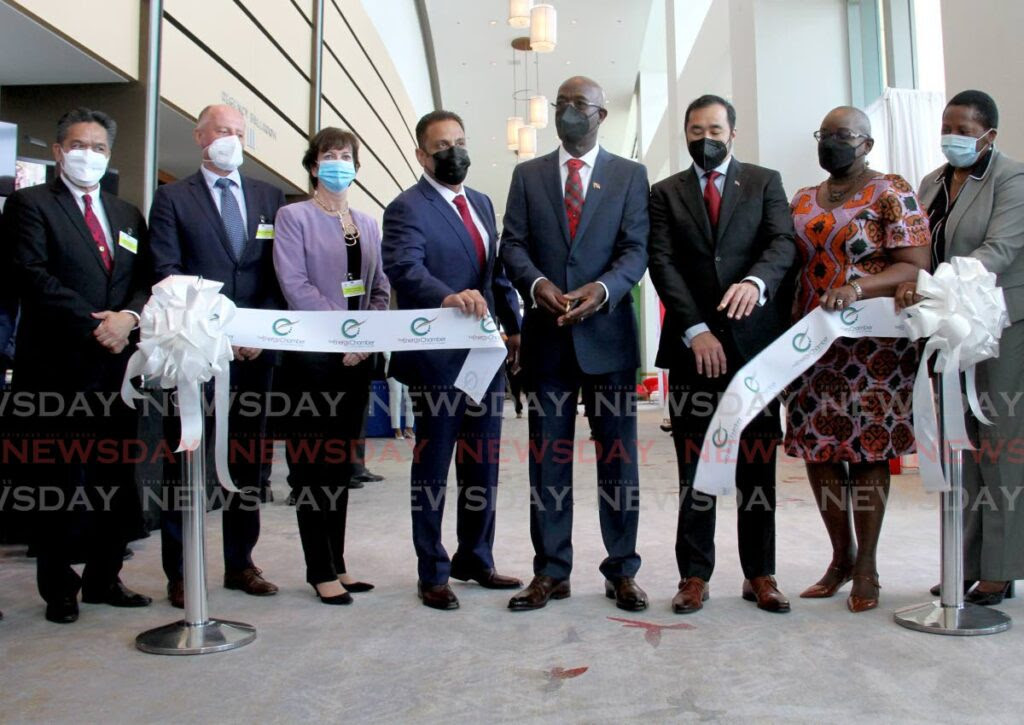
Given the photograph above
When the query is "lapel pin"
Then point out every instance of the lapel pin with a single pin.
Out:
(596, 185)
(736, 182)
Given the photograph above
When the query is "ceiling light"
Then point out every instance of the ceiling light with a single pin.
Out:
(519, 13)
(543, 28)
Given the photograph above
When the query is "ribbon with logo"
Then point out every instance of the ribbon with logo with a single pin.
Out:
(379, 331)
(188, 328)
(183, 344)
(963, 315)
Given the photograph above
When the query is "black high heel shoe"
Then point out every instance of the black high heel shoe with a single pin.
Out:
(990, 599)
(968, 583)
(344, 598)
(357, 587)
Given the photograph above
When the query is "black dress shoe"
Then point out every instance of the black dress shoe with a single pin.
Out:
(489, 579)
(343, 598)
(128, 554)
(439, 596)
(990, 599)
(936, 590)
(62, 611)
(626, 593)
(355, 483)
(541, 589)
(367, 477)
(357, 587)
(117, 595)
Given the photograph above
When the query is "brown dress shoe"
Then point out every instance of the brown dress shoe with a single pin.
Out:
(488, 579)
(176, 593)
(764, 591)
(626, 593)
(438, 596)
(693, 592)
(541, 589)
(249, 581)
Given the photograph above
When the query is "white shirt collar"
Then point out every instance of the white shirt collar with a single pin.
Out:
(211, 178)
(723, 168)
(588, 158)
(79, 192)
(446, 193)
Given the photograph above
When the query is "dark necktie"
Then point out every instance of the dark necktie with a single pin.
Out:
(474, 233)
(231, 215)
(573, 195)
(712, 198)
(96, 230)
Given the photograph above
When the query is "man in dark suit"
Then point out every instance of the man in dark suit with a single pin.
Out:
(721, 249)
(81, 273)
(219, 225)
(440, 250)
(576, 220)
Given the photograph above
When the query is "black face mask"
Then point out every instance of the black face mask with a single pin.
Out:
(835, 156)
(572, 125)
(451, 165)
(707, 153)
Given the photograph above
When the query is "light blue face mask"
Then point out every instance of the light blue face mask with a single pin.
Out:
(962, 151)
(336, 175)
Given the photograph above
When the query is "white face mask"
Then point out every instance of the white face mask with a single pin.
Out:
(225, 153)
(84, 167)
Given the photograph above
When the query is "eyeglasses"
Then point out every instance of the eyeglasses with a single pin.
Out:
(579, 104)
(843, 134)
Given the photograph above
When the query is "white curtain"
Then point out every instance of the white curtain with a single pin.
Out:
(905, 124)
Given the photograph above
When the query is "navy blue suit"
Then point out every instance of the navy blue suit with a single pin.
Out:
(598, 356)
(428, 255)
(187, 236)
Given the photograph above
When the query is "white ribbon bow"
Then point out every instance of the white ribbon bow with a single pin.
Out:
(183, 344)
(963, 314)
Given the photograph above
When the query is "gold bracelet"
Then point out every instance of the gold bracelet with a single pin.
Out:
(858, 289)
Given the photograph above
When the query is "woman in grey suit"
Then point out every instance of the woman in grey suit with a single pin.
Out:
(975, 206)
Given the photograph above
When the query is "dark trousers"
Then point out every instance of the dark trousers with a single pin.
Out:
(250, 381)
(515, 388)
(610, 405)
(448, 423)
(692, 400)
(320, 446)
(86, 502)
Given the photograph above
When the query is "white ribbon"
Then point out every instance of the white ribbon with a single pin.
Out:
(379, 331)
(963, 315)
(184, 344)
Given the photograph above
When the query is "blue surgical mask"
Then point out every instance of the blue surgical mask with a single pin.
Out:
(336, 175)
(961, 151)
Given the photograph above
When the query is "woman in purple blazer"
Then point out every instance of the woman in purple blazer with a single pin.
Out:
(327, 257)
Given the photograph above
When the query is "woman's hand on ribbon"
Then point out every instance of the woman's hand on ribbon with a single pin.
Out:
(838, 298)
(906, 296)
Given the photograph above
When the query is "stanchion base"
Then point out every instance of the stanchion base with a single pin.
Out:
(969, 621)
(179, 638)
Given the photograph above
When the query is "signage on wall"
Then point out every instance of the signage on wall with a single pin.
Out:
(253, 123)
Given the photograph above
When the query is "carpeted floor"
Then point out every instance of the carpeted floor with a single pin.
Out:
(386, 658)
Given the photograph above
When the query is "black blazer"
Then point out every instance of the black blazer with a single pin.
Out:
(692, 268)
(60, 280)
(187, 237)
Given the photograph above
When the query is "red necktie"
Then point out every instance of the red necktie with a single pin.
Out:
(474, 233)
(96, 229)
(573, 195)
(712, 199)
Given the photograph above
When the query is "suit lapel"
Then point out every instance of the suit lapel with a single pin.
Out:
(593, 195)
(969, 192)
(67, 202)
(731, 192)
(694, 201)
(553, 183)
(253, 218)
(454, 220)
(117, 224)
(201, 192)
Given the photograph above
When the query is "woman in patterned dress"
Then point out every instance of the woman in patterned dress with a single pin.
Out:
(860, 234)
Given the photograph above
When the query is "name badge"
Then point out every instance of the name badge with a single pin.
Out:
(353, 288)
(265, 231)
(127, 241)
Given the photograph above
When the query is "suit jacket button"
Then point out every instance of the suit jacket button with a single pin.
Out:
(718, 259)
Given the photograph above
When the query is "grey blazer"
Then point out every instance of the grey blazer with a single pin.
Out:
(987, 223)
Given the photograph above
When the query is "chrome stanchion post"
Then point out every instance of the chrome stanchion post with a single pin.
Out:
(951, 614)
(195, 634)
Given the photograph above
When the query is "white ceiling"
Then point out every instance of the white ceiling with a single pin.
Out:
(34, 55)
(601, 39)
